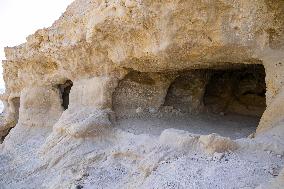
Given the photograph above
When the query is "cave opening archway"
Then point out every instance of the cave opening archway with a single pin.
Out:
(228, 100)
(65, 91)
(240, 91)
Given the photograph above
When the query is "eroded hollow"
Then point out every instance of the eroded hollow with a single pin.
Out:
(15, 106)
(227, 100)
(65, 91)
(240, 91)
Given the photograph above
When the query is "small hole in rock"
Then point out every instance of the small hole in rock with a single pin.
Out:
(65, 91)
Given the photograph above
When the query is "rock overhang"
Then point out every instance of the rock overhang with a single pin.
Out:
(110, 38)
(97, 44)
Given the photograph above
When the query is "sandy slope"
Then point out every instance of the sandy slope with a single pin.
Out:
(120, 159)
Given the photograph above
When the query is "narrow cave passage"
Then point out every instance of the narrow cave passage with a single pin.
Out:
(65, 91)
(227, 100)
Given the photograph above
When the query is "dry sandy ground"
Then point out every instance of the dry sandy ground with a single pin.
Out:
(135, 157)
(230, 125)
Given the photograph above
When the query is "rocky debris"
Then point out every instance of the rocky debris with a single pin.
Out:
(279, 155)
(181, 140)
(213, 143)
(273, 172)
(78, 187)
(139, 110)
(218, 156)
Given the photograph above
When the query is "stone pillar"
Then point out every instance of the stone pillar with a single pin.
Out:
(92, 92)
(273, 62)
(89, 112)
(40, 106)
(35, 106)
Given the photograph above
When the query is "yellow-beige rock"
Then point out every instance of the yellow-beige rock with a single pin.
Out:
(118, 58)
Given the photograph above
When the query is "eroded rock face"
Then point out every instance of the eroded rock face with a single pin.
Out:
(125, 57)
(187, 91)
(150, 37)
(145, 91)
(237, 90)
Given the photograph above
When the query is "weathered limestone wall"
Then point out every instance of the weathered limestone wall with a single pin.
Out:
(89, 111)
(146, 36)
(139, 92)
(92, 92)
(228, 89)
(150, 37)
(119, 54)
(187, 91)
(274, 69)
(40, 106)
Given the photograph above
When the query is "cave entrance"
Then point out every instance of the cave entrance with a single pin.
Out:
(241, 91)
(236, 89)
(65, 91)
(228, 100)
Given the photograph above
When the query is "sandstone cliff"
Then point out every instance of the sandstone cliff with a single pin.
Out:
(103, 60)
